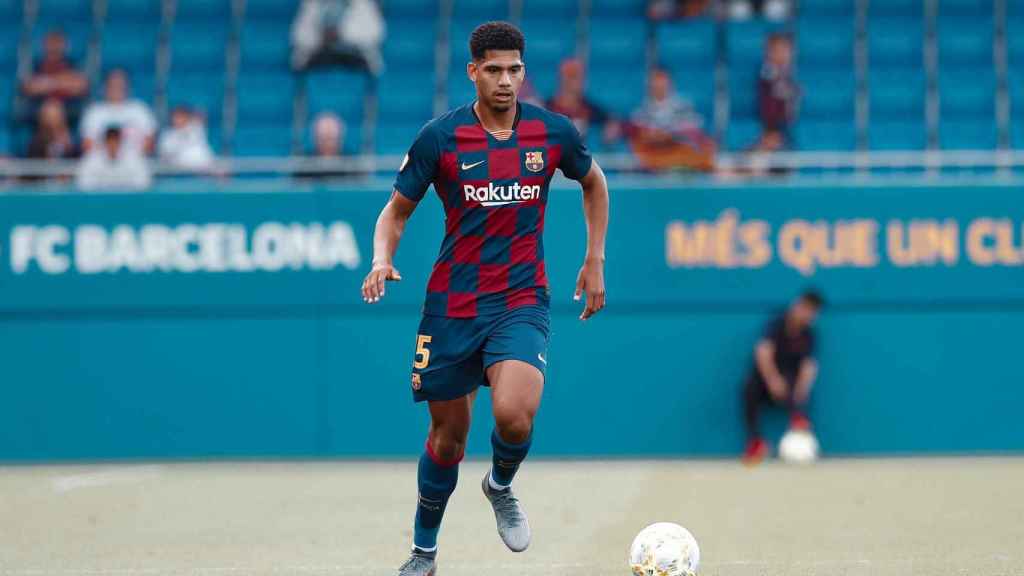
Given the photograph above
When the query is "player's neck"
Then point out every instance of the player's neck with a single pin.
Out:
(496, 121)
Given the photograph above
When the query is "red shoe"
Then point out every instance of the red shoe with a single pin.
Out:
(756, 451)
(798, 421)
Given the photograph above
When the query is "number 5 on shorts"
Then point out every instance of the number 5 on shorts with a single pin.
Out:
(422, 353)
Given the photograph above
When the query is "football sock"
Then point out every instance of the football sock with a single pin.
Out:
(437, 479)
(506, 460)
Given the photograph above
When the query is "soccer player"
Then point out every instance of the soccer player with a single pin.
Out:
(784, 370)
(485, 319)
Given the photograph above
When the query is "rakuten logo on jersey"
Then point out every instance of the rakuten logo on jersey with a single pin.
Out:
(492, 195)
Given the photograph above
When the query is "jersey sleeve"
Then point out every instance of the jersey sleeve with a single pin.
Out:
(420, 165)
(576, 159)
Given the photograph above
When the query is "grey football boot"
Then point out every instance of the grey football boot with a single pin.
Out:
(420, 563)
(513, 527)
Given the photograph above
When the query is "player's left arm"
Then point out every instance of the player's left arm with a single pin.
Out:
(590, 280)
(805, 379)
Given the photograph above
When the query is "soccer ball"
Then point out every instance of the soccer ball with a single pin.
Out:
(664, 549)
(798, 447)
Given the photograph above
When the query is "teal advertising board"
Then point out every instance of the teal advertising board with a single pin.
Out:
(229, 324)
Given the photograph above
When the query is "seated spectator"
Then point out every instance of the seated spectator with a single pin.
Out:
(55, 75)
(184, 144)
(113, 166)
(570, 101)
(778, 94)
(666, 132)
(666, 9)
(339, 33)
(132, 117)
(52, 139)
(328, 138)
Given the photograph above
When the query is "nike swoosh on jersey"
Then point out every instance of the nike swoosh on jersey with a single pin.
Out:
(473, 165)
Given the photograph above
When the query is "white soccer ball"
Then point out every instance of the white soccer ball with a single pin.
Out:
(798, 447)
(664, 549)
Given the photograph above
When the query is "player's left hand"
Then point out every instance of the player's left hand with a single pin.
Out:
(590, 281)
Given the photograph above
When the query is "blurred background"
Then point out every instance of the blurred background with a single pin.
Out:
(188, 190)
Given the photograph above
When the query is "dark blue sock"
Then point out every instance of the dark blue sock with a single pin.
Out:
(437, 480)
(507, 458)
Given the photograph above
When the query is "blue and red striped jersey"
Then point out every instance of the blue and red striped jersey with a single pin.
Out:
(494, 194)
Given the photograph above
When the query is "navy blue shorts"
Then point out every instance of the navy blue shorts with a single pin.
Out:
(453, 354)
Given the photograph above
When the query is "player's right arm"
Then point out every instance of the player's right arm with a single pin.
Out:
(764, 356)
(386, 235)
(414, 177)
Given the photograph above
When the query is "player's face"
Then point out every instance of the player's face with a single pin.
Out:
(498, 78)
(804, 313)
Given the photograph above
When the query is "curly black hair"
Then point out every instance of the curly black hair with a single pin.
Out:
(495, 36)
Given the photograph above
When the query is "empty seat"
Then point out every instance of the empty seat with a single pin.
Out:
(965, 44)
(205, 10)
(553, 10)
(742, 133)
(265, 97)
(199, 46)
(406, 98)
(618, 42)
(825, 43)
(480, 11)
(896, 93)
(274, 10)
(960, 10)
(831, 9)
(337, 90)
(134, 10)
(264, 139)
(618, 88)
(967, 93)
(612, 9)
(409, 45)
(897, 135)
(828, 95)
(395, 137)
(548, 43)
(896, 9)
(686, 42)
(201, 91)
(265, 46)
(896, 42)
(825, 135)
(967, 135)
(131, 46)
(423, 10)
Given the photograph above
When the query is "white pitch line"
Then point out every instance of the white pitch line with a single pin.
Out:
(125, 475)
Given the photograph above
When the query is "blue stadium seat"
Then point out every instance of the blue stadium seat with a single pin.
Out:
(204, 10)
(896, 93)
(743, 96)
(265, 46)
(825, 135)
(9, 39)
(967, 135)
(406, 98)
(745, 42)
(963, 44)
(64, 11)
(340, 91)
(409, 45)
(143, 86)
(395, 137)
(5, 141)
(897, 135)
(552, 10)
(830, 94)
(1015, 85)
(686, 43)
(7, 84)
(698, 86)
(612, 9)
(203, 92)
(198, 46)
(742, 134)
(966, 9)
(547, 44)
(1017, 134)
(967, 94)
(412, 9)
(825, 43)
(832, 9)
(1015, 40)
(479, 11)
(896, 42)
(620, 88)
(265, 97)
(264, 139)
(896, 9)
(460, 89)
(130, 45)
(618, 42)
(134, 10)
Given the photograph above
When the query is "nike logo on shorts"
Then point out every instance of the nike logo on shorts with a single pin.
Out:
(541, 358)
(473, 165)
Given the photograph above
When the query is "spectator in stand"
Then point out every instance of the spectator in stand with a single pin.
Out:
(55, 76)
(666, 131)
(666, 9)
(113, 166)
(338, 33)
(570, 100)
(52, 138)
(133, 118)
(184, 144)
(328, 138)
(778, 94)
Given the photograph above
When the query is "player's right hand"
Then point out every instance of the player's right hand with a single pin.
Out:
(777, 388)
(373, 285)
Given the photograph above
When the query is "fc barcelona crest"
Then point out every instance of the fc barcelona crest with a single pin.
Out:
(535, 161)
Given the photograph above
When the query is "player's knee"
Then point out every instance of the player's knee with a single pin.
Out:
(448, 443)
(514, 428)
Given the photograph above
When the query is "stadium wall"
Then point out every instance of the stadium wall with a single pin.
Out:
(227, 324)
